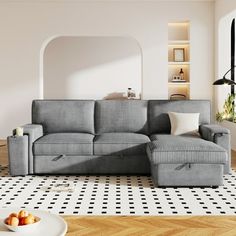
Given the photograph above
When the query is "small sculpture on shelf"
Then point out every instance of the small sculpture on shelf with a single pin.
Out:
(131, 94)
(179, 77)
(181, 74)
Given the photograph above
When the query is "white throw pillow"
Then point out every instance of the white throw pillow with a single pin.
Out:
(182, 123)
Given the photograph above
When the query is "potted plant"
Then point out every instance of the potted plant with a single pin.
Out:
(228, 112)
(228, 118)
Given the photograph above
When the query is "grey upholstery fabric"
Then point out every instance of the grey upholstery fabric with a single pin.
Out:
(34, 132)
(120, 144)
(220, 136)
(138, 164)
(195, 175)
(208, 131)
(58, 116)
(158, 118)
(18, 155)
(121, 116)
(184, 149)
(64, 143)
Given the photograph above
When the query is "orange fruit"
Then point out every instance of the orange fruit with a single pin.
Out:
(7, 221)
(22, 214)
(29, 220)
(13, 214)
(22, 218)
(13, 221)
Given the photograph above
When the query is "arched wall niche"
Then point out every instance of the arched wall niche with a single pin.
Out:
(90, 67)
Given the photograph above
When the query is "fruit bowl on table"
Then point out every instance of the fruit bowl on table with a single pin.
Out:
(43, 225)
(22, 221)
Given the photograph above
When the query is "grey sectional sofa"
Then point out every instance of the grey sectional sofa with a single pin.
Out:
(121, 137)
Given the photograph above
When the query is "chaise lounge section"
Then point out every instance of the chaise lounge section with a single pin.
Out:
(121, 137)
(186, 160)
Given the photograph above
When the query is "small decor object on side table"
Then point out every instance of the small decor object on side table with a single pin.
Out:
(19, 131)
(179, 54)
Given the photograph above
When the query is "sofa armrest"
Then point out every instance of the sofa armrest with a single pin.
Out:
(220, 136)
(33, 131)
(209, 132)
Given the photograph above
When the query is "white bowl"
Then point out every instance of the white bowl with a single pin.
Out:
(24, 228)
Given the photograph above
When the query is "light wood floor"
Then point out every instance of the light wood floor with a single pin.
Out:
(3, 152)
(151, 226)
(148, 225)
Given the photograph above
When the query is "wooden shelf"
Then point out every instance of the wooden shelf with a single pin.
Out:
(178, 42)
(179, 83)
(178, 63)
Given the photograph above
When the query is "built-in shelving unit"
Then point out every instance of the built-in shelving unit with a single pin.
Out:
(178, 36)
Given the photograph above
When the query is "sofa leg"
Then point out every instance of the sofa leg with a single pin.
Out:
(214, 187)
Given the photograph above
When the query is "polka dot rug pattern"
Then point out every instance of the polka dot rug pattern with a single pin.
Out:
(115, 195)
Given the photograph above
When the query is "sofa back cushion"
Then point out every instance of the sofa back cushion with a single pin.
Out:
(121, 116)
(158, 118)
(64, 115)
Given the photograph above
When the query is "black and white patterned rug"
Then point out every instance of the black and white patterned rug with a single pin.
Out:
(115, 195)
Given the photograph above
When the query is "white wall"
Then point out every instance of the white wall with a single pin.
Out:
(225, 11)
(27, 26)
(91, 67)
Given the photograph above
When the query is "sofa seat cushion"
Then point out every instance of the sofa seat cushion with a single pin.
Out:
(64, 143)
(120, 144)
(184, 149)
